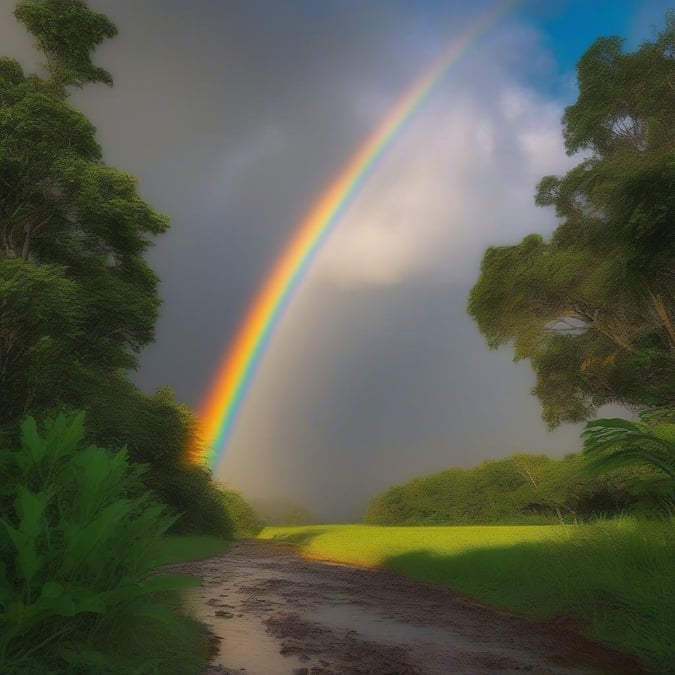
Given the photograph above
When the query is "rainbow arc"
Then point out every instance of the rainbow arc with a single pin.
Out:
(233, 378)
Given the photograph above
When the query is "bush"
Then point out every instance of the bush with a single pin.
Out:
(245, 521)
(522, 489)
(78, 537)
(157, 430)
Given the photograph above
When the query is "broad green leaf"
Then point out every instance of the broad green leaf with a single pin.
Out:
(28, 561)
(32, 441)
(63, 605)
(75, 656)
(30, 508)
(84, 539)
(157, 612)
(15, 612)
(51, 590)
(96, 474)
(612, 423)
(72, 434)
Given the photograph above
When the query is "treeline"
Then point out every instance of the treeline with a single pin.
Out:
(523, 489)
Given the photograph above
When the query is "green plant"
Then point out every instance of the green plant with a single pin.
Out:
(649, 443)
(78, 539)
(245, 520)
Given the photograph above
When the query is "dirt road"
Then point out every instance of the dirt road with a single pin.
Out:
(279, 614)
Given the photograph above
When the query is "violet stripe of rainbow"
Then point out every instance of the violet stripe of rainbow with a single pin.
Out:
(228, 390)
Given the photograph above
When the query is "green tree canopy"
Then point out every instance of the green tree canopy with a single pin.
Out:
(73, 231)
(593, 308)
(78, 301)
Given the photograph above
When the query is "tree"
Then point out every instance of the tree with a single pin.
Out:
(78, 301)
(72, 230)
(593, 308)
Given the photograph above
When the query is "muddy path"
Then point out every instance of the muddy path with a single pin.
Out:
(279, 614)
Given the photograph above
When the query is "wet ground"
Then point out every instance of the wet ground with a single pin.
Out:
(276, 613)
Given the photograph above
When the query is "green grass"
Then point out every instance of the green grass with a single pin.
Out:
(372, 545)
(616, 577)
(184, 548)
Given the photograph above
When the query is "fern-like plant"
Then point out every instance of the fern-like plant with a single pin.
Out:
(648, 444)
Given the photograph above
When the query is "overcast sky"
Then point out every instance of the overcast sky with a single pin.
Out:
(236, 114)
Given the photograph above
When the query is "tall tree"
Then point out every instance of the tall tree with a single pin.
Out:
(593, 308)
(77, 298)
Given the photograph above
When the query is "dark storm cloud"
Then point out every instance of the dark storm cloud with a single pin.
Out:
(233, 116)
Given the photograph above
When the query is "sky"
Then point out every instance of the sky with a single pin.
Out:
(235, 115)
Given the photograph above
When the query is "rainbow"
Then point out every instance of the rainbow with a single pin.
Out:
(224, 399)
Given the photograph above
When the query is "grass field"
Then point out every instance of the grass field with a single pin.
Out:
(616, 577)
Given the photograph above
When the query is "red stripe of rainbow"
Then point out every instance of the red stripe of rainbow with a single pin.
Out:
(224, 399)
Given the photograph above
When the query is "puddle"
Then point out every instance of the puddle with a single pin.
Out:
(378, 627)
(245, 645)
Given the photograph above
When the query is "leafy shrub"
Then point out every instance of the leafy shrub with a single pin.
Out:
(245, 520)
(522, 489)
(78, 536)
(649, 445)
(157, 430)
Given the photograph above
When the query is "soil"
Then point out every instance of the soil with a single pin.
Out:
(274, 612)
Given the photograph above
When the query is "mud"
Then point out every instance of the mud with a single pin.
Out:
(276, 613)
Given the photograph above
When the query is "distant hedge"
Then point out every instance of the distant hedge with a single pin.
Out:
(522, 489)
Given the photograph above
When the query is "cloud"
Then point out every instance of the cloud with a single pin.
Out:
(440, 194)
(376, 372)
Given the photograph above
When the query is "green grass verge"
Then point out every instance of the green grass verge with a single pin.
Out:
(184, 548)
(616, 577)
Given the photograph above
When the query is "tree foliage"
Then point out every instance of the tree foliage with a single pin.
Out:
(245, 520)
(78, 300)
(67, 31)
(157, 430)
(73, 231)
(593, 308)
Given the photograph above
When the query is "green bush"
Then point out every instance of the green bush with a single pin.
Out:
(519, 490)
(245, 520)
(78, 537)
(157, 430)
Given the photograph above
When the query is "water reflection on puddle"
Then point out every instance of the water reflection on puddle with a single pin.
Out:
(377, 627)
(245, 644)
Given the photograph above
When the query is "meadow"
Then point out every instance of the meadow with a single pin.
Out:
(614, 579)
